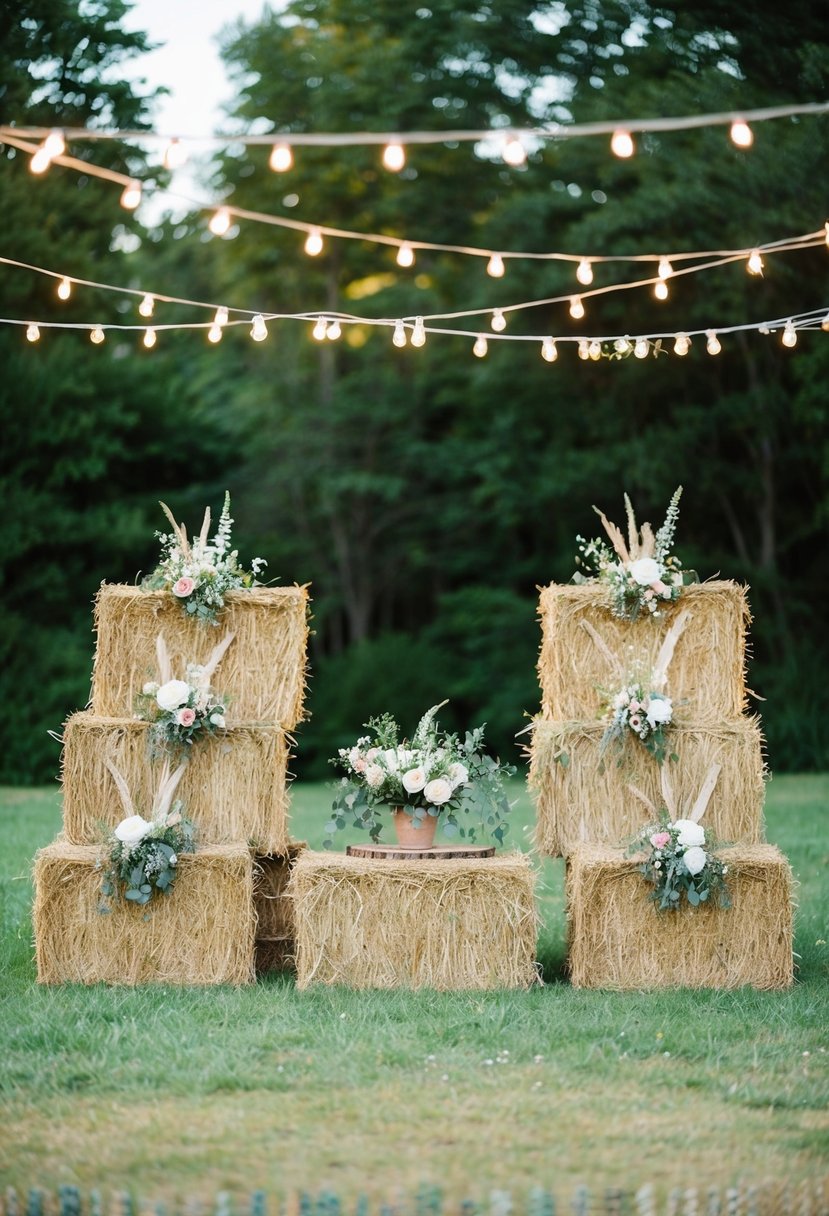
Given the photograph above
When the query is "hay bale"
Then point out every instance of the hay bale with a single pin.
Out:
(262, 676)
(202, 933)
(707, 670)
(618, 939)
(271, 900)
(588, 797)
(234, 787)
(275, 954)
(443, 924)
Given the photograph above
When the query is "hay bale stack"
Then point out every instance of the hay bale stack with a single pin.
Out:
(201, 933)
(706, 672)
(618, 938)
(234, 787)
(587, 798)
(262, 675)
(275, 925)
(443, 924)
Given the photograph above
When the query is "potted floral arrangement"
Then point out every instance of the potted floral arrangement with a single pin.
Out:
(435, 775)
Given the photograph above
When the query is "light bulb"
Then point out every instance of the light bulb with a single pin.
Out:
(54, 144)
(221, 316)
(405, 255)
(622, 346)
(313, 243)
(576, 308)
(97, 335)
(548, 350)
(594, 350)
(131, 195)
(789, 335)
(175, 154)
(584, 272)
(394, 157)
(259, 330)
(826, 233)
(824, 325)
(640, 348)
(681, 344)
(399, 335)
(499, 321)
(334, 331)
(754, 265)
(220, 222)
(320, 329)
(64, 288)
(622, 145)
(149, 338)
(419, 333)
(41, 160)
(660, 290)
(514, 153)
(481, 346)
(146, 306)
(495, 266)
(741, 134)
(32, 332)
(713, 345)
(281, 158)
(214, 334)
(665, 269)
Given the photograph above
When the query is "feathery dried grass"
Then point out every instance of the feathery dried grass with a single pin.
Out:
(262, 676)
(202, 933)
(707, 671)
(234, 787)
(618, 938)
(588, 798)
(443, 924)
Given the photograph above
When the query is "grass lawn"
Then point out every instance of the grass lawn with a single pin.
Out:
(170, 1091)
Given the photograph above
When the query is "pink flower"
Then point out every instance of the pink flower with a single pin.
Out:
(660, 589)
(660, 839)
(183, 588)
(634, 705)
(186, 717)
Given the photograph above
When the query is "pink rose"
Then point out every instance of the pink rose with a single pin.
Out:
(634, 705)
(186, 716)
(660, 839)
(660, 589)
(183, 588)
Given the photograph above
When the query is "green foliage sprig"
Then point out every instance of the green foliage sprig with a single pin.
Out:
(143, 856)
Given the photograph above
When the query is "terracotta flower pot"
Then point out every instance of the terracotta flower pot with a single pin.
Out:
(409, 836)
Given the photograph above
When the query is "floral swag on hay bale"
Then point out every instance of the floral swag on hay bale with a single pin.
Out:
(182, 712)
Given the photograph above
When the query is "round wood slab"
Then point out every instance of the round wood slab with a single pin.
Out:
(399, 852)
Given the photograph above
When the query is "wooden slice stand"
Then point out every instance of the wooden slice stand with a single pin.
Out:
(399, 852)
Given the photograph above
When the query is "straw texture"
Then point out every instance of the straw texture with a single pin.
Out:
(234, 787)
(707, 670)
(589, 799)
(273, 904)
(202, 933)
(618, 939)
(455, 924)
(262, 676)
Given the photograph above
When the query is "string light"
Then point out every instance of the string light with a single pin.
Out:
(320, 329)
(259, 330)
(665, 269)
(660, 290)
(548, 350)
(32, 332)
(499, 321)
(405, 255)
(594, 350)
(495, 266)
(214, 334)
(741, 134)
(97, 335)
(175, 154)
(399, 335)
(221, 316)
(576, 308)
(789, 335)
(640, 348)
(281, 158)
(394, 157)
(54, 144)
(755, 263)
(584, 349)
(334, 331)
(514, 153)
(682, 344)
(584, 272)
(622, 346)
(824, 325)
(826, 234)
(481, 346)
(64, 288)
(131, 195)
(419, 333)
(220, 222)
(622, 145)
(313, 243)
(149, 338)
(713, 345)
(40, 161)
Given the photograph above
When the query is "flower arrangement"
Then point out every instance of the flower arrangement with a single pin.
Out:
(679, 863)
(640, 574)
(182, 712)
(143, 853)
(201, 572)
(435, 774)
(641, 712)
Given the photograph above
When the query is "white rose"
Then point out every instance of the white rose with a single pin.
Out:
(438, 791)
(218, 720)
(173, 694)
(660, 710)
(133, 830)
(458, 774)
(691, 835)
(414, 780)
(374, 776)
(390, 758)
(645, 571)
(150, 688)
(694, 859)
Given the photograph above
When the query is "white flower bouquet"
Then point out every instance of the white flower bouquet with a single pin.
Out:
(200, 572)
(182, 712)
(436, 774)
(641, 574)
(640, 712)
(679, 863)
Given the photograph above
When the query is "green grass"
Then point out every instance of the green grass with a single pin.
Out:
(168, 1091)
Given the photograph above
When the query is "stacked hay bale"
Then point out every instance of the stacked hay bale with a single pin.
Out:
(587, 812)
(220, 924)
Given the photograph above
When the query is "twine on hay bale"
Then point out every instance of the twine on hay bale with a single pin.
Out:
(707, 669)
(202, 933)
(587, 797)
(262, 675)
(234, 787)
(447, 924)
(618, 939)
